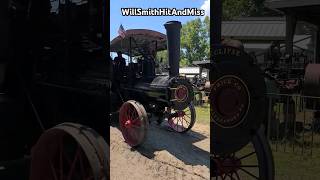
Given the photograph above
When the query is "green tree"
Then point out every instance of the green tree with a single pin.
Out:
(194, 41)
(162, 57)
(244, 8)
(207, 37)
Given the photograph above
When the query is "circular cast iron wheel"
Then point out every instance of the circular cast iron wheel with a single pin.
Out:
(133, 122)
(70, 151)
(255, 161)
(182, 120)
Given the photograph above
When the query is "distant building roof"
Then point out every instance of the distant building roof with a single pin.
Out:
(305, 10)
(279, 4)
(255, 29)
(300, 42)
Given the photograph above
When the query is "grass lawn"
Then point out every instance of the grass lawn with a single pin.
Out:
(203, 114)
(289, 165)
(292, 165)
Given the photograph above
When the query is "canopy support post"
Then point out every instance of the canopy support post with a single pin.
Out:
(130, 46)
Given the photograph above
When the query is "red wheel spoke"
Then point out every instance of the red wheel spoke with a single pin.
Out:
(186, 121)
(182, 119)
(180, 126)
(61, 158)
(67, 158)
(82, 167)
(188, 116)
(249, 173)
(136, 126)
(230, 175)
(238, 177)
(133, 134)
(53, 170)
(224, 177)
(74, 163)
(90, 178)
(177, 124)
(129, 113)
(247, 155)
(249, 166)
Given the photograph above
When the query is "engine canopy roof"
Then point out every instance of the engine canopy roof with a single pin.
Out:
(143, 42)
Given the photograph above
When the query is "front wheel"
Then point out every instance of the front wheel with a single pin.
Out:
(254, 161)
(182, 120)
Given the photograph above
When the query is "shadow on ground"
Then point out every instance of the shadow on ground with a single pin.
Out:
(182, 146)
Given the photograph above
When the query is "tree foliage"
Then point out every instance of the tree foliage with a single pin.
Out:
(195, 41)
(243, 8)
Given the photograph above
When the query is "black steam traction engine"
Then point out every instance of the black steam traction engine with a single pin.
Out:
(164, 96)
(53, 87)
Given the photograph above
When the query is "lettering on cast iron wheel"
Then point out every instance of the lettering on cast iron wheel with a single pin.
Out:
(230, 101)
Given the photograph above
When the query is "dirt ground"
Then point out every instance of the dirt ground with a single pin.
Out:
(164, 155)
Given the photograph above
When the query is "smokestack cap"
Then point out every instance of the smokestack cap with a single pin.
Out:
(172, 23)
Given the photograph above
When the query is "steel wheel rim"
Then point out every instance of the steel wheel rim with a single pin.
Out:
(182, 120)
(132, 123)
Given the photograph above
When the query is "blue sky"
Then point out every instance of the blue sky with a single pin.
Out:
(145, 22)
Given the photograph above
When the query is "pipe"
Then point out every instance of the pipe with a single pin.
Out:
(4, 43)
(173, 46)
(4, 30)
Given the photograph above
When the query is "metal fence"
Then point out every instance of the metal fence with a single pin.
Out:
(293, 123)
(200, 97)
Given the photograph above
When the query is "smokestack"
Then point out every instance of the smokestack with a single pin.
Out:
(173, 45)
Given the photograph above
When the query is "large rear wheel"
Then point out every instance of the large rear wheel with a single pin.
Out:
(70, 151)
(133, 122)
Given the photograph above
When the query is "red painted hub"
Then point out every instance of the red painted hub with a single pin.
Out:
(128, 124)
(226, 165)
(230, 101)
(181, 113)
